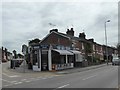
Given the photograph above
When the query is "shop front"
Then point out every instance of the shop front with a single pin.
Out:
(78, 58)
(61, 59)
(46, 58)
(41, 58)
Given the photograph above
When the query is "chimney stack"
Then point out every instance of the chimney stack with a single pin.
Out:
(82, 35)
(55, 30)
(70, 32)
(92, 40)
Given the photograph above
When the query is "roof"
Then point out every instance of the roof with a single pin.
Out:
(73, 37)
(66, 36)
(63, 52)
(75, 52)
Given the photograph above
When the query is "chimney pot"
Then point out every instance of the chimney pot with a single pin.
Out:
(70, 32)
(55, 30)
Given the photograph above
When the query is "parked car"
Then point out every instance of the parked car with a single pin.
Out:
(116, 61)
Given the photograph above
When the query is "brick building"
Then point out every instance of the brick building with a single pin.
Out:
(6, 55)
(60, 51)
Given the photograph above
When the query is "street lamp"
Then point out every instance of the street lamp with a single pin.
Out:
(106, 41)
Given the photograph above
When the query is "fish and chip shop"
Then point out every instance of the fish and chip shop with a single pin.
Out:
(53, 58)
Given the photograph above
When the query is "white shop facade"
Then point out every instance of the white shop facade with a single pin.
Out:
(48, 58)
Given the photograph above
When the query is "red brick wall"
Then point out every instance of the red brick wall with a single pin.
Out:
(54, 38)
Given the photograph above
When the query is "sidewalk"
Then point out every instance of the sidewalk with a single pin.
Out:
(80, 69)
(23, 69)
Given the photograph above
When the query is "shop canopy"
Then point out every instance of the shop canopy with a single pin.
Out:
(75, 52)
(63, 52)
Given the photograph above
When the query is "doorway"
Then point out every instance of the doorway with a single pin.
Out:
(44, 60)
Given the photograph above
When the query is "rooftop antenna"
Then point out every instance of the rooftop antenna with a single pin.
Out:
(67, 27)
(53, 25)
(83, 31)
(72, 25)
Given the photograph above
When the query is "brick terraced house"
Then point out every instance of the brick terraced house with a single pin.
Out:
(58, 51)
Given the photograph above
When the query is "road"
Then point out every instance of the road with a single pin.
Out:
(103, 77)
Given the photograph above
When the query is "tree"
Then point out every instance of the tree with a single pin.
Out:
(34, 41)
(20, 55)
(15, 54)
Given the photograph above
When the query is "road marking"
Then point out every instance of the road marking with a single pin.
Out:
(7, 85)
(44, 78)
(89, 77)
(18, 83)
(32, 78)
(13, 81)
(23, 79)
(39, 77)
(14, 76)
(27, 81)
(6, 80)
(5, 74)
(50, 77)
(64, 86)
(10, 76)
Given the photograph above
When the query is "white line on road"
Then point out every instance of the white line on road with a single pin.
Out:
(89, 77)
(13, 81)
(5, 80)
(7, 85)
(44, 78)
(6, 74)
(50, 77)
(32, 78)
(23, 79)
(39, 77)
(10, 76)
(14, 76)
(18, 83)
(64, 86)
(27, 81)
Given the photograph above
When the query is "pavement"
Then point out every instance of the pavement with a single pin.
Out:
(105, 77)
(23, 69)
(13, 77)
(80, 69)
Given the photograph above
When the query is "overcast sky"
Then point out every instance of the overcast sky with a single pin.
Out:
(23, 21)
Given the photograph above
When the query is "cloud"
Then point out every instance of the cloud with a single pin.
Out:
(23, 21)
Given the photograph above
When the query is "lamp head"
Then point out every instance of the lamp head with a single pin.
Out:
(108, 20)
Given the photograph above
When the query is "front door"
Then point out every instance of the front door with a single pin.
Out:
(44, 60)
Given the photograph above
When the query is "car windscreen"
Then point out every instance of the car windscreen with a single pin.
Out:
(116, 59)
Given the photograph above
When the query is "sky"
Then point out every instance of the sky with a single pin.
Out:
(24, 21)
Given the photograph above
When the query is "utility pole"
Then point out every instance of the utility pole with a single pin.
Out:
(106, 41)
(24, 50)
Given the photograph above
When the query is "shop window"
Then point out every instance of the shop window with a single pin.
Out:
(63, 59)
(70, 59)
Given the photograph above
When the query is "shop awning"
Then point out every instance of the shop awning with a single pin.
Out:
(75, 52)
(63, 52)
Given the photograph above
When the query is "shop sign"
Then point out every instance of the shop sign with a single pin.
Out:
(44, 46)
(36, 47)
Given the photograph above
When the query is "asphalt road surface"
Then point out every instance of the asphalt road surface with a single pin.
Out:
(103, 77)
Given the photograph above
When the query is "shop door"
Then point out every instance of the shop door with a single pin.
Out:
(36, 60)
(44, 61)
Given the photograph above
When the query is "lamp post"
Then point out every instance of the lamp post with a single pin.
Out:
(106, 40)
